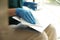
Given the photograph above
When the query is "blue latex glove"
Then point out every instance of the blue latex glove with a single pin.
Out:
(31, 5)
(26, 15)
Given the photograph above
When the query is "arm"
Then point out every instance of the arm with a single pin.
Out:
(12, 12)
(25, 14)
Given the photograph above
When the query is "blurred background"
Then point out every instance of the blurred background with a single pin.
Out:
(52, 7)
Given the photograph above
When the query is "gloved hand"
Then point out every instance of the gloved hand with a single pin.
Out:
(26, 15)
(31, 5)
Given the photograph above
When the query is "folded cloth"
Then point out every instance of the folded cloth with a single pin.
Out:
(26, 15)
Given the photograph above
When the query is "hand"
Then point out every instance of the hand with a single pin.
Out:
(26, 15)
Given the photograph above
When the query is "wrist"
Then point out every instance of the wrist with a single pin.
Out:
(12, 12)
